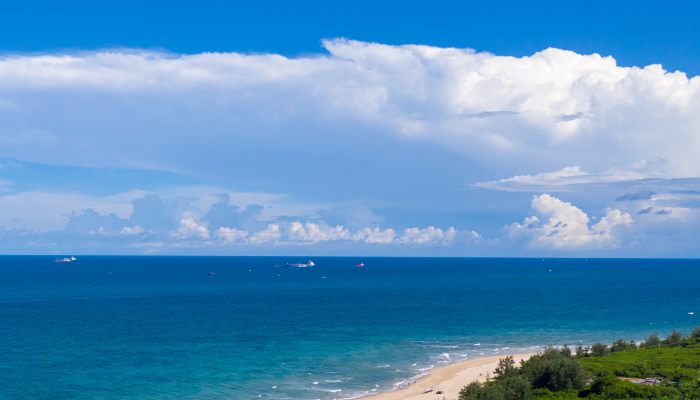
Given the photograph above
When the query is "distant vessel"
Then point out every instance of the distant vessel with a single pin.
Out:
(212, 273)
(66, 259)
(307, 264)
(691, 313)
(360, 265)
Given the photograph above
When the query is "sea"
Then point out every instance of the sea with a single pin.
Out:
(116, 327)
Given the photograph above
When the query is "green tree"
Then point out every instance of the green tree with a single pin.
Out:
(695, 333)
(506, 368)
(599, 350)
(565, 350)
(621, 345)
(674, 339)
(652, 341)
(553, 370)
(515, 387)
(482, 391)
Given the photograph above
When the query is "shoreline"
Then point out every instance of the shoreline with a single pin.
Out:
(449, 379)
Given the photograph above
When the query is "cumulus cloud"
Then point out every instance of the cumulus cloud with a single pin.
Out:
(428, 235)
(375, 235)
(314, 233)
(231, 235)
(189, 228)
(561, 225)
(270, 235)
(311, 233)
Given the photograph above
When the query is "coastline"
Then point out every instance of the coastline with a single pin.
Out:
(449, 379)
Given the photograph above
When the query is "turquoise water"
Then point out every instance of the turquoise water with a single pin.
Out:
(163, 328)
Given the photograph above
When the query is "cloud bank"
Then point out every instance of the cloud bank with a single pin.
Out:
(554, 105)
(314, 145)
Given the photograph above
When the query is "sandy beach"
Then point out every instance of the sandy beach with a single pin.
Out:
(449, 379)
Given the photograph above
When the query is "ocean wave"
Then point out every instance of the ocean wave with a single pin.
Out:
(443, 346)
(407, 382)
(444, 357)
(356, 395)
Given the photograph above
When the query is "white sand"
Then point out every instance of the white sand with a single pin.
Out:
(449, 379)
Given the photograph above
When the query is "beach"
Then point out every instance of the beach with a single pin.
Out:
(449, 379)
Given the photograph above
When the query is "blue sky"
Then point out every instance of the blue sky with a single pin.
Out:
(392, 128)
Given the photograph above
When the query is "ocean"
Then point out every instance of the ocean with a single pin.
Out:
(165, 328)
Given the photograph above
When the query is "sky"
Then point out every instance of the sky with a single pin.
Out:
(359, 128)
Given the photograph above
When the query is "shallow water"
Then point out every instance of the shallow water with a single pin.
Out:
(163, 328)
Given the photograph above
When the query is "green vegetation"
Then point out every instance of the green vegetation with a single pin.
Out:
(654, 369)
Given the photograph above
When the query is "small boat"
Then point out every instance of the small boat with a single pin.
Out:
(65, 259)
(360, 265)
(691, 313)
(212, 273)
(307, 264)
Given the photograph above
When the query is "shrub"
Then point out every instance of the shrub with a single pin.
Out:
(674, 339)
(565, 350)
(695, 333)
(609, 387)
(515, 387)
(599, 350)
(471, 391)
(482, 391)
(553, 370)
(652, 341)
(621, 345)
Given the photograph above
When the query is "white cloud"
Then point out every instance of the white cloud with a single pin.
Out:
(565, 179)
(368, 104)
(375, 235)
(270, 235)
(474, 235)
(132, 230)
(429, 235)
(101, 231)
(314, 233)
(189, 228)
(231, 235)
(561, 225)
(542, 110)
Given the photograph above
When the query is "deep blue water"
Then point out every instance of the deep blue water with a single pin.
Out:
(163, 328)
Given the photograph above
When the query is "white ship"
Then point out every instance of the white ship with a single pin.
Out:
(307, 264)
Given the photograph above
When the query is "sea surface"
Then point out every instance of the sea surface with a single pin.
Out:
(165, 328)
